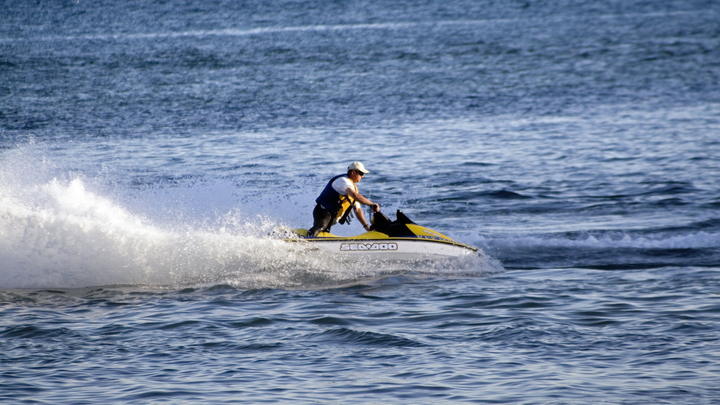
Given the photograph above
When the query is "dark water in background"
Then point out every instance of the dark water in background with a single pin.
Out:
(147, 149)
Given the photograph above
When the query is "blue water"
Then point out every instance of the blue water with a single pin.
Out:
(149, 149)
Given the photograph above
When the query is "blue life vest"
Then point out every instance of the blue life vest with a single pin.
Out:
(337, 204)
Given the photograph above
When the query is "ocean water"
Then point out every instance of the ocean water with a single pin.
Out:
(149, 148)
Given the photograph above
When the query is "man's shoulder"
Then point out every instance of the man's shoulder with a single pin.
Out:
(341, 183)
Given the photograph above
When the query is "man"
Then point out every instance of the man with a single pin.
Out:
(339, 198)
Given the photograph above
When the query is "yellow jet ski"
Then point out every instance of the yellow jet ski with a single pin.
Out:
(400, 239)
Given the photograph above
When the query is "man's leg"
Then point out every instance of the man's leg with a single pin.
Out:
(322, 221)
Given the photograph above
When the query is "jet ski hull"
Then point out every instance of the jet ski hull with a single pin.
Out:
(392, 248)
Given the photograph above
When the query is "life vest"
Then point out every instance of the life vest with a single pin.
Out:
(337, 204)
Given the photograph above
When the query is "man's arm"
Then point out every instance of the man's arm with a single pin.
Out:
(361, 217)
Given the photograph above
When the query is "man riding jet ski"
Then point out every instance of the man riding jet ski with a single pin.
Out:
(400, 239)
(339, 199)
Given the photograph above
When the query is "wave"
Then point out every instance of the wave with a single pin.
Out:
(616, 250)
(607, 240)
(350, 336)
(235, 32)
(231, 32)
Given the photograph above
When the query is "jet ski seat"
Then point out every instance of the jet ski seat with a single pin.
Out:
(381, 223)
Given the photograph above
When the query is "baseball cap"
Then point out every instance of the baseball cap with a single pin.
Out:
(358, 166)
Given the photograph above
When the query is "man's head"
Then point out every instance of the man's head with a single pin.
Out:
(356, 171)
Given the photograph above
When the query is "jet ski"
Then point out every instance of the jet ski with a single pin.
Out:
(400, 239)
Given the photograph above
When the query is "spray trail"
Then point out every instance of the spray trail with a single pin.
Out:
(58, 231)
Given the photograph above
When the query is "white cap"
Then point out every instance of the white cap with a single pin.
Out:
(358, 166)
